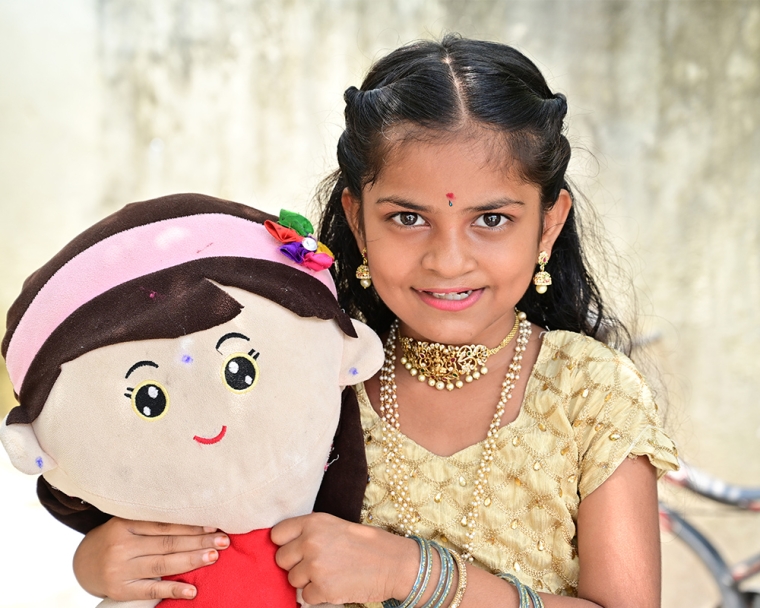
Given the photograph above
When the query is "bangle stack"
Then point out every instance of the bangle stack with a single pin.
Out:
(528, 597)
(445, 580)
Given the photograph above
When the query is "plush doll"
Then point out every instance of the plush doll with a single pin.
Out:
(184, 361)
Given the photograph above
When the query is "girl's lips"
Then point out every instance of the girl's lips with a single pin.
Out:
(452, 303)
(216, 439)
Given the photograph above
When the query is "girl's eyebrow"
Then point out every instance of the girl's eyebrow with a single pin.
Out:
(402, 202)
(141, 364)
(497, 204)
(231, 335)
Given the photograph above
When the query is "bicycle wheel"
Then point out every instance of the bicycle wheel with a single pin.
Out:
(730, 595)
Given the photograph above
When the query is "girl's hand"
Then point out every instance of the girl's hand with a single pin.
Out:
(335, 561)
(122, 559)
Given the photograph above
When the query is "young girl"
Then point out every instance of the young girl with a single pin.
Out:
(503, 432)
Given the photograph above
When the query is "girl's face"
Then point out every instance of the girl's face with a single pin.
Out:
(452, 238)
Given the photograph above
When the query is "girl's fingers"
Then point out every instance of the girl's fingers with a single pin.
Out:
(298, 577)
(154, 590)
(165, 545)
(288, 556)
(154, 566)
(151, 528)
(287, 530)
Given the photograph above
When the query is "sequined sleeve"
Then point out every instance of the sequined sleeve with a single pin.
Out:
(619, 418)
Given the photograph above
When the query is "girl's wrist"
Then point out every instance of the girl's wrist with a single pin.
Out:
(405, 564)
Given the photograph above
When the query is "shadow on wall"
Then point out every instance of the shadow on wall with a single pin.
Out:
(7, 400)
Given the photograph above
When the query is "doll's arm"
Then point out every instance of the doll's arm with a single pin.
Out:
(72, 512)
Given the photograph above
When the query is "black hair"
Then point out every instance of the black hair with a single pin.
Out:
(437, 89)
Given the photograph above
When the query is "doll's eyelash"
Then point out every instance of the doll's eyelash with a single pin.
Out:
(254, 354)
(128, 394)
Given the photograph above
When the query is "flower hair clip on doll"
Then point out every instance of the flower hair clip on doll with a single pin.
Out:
(296, 233)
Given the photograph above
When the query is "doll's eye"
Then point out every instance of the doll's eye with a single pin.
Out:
(240, 372)
(150, 400)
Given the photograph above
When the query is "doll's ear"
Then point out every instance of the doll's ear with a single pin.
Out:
(362, 356)
(25, 451)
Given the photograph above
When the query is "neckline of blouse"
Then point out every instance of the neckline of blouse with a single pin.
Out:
(543, 352)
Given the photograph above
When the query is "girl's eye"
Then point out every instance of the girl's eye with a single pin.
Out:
(150, 400)
(240, 372)
(491, 220)
(408, 219)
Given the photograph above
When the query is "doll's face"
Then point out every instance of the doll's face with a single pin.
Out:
(228, 427)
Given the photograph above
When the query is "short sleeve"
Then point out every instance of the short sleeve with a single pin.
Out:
(618, 418)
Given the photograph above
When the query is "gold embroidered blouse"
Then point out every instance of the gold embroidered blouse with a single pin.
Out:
(586, 408)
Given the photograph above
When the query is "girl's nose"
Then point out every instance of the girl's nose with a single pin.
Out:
(449, 254)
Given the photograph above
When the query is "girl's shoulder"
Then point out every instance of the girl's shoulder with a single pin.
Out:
(605, 400)
(592, 383)
(591, 361)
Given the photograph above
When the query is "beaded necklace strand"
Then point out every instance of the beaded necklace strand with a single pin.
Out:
(395, 465)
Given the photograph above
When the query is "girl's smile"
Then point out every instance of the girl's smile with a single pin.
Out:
(451, 300)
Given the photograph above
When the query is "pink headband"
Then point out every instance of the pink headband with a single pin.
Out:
(132, 254)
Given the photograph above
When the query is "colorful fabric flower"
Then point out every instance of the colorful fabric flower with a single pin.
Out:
(295, 232)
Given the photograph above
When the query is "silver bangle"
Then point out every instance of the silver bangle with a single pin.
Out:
(528, 597)
(422, 580)
(444, 580)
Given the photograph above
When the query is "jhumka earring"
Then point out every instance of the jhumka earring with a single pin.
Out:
(542, 279)
(362, 272)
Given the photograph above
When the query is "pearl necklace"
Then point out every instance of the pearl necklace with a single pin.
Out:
(395, 466)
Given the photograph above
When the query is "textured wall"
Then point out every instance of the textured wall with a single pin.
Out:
(106, 102)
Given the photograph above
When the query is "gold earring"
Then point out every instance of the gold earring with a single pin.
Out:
(362, 272)
(542, 279)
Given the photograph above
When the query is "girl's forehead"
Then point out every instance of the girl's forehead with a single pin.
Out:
(465, 167)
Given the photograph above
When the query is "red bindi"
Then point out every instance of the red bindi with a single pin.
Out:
(450, 196)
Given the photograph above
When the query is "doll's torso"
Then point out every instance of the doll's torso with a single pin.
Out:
(244, 575)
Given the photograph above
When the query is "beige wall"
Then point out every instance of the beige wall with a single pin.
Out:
(102, 103)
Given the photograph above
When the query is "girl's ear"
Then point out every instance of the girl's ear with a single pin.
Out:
(25, 451)
(351, 208)
(554, 220)
(362, 356)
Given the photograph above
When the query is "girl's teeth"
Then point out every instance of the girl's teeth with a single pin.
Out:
(451, 296)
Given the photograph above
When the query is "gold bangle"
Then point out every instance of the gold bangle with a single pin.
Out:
(462, 583)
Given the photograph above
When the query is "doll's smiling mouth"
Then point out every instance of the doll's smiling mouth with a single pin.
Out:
(206, 441)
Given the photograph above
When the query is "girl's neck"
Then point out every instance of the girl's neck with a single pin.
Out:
(446, 422)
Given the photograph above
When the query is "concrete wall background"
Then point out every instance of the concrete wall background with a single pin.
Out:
(105, 102)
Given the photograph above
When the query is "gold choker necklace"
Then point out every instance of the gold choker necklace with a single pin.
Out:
(443, 365)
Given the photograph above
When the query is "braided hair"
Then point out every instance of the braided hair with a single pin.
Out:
(436, 89)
